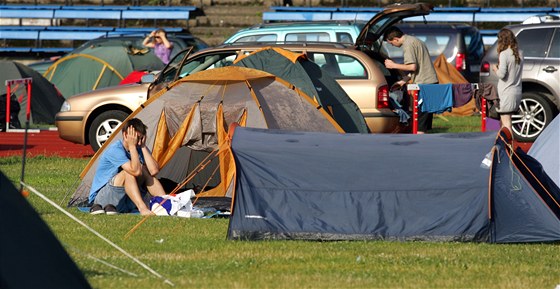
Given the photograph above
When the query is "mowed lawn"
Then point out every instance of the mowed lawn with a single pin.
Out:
(194, 253)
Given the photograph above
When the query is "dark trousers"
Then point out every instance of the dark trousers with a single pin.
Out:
(425, 120)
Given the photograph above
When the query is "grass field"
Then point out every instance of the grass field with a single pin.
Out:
(194, 253)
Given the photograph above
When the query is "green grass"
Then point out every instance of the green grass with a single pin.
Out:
(194, 253)
(450, 124)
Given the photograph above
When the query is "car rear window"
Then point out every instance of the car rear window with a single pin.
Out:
(195, 43)
(339, 66)
(344, 37)
(436, 45)
(258, 38)
(309, 37)
(474, 44)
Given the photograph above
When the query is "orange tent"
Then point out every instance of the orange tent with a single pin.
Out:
(188, 124)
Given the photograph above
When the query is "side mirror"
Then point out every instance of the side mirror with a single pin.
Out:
(148, 78)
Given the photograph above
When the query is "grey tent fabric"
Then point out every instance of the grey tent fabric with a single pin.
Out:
(30, 254)
(311, 79)
(396, 187)
(546, 149)
(321, 186)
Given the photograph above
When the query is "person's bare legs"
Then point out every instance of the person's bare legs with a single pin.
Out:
(152, 183)
(130, 184)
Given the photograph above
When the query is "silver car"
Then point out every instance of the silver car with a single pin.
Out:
(540, 103)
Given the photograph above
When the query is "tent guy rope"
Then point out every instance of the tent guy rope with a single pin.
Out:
(165, 280)
(100, 261)
(201, 166)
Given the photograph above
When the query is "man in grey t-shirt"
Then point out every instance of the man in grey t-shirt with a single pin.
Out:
(417, 63)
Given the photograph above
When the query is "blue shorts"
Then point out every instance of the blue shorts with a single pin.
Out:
(115, 196)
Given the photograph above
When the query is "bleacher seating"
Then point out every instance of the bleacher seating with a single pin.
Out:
(118, 13)
(55, 14)
(38, 34)
(471, 15)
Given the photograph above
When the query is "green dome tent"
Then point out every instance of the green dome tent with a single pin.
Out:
(99, 66)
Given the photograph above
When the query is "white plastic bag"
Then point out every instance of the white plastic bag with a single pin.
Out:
(169, 205)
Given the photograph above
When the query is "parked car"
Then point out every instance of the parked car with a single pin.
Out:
(317, 31)
(461, 44)
(91, 117)
(540, 103)
(180, 40)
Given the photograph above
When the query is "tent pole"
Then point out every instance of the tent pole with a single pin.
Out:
(206, 184)
(8, 112)
(202, 165)
(27, 82)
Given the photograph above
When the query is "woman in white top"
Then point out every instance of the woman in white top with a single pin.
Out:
(508, 70)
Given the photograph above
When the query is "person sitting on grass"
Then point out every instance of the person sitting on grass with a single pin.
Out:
(124, 168)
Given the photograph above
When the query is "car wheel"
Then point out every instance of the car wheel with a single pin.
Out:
(535, 113)
(103, 126)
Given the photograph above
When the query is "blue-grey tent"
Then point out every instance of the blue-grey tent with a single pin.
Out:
(321, 186)
(546, 149)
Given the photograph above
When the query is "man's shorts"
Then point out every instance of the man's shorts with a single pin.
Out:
(115, 196)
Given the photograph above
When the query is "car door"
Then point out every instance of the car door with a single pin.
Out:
(536, 48)
(549, 68)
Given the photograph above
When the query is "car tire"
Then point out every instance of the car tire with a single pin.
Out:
(535, 113)
(103, 126)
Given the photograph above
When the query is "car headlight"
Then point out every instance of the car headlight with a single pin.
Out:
(65, 106)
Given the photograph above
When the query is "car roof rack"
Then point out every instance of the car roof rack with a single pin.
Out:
(291, 43)
(306, 23)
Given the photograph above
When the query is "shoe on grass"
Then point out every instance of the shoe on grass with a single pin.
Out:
(111, 210)
(96, 209)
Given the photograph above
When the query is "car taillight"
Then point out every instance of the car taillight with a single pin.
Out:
(383, 97)
(485, 67)
(460, 62)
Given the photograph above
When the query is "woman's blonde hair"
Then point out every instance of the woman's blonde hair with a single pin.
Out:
(506, 40)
